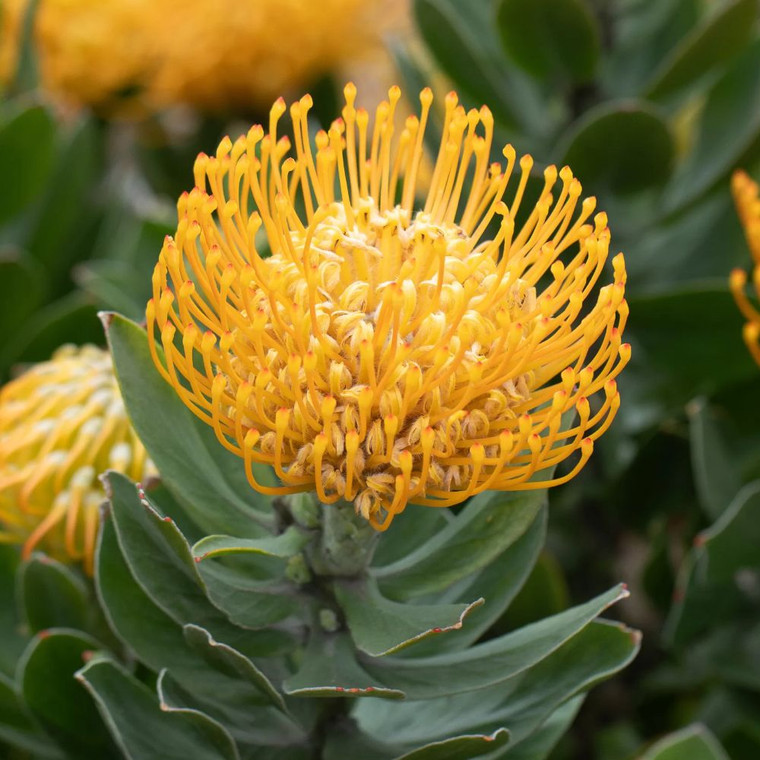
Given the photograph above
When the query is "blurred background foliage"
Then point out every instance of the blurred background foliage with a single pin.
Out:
(653, 103)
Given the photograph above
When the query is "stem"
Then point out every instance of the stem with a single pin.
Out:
(346, 544)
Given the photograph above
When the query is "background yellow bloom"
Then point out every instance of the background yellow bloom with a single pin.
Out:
(62, 424)
(212, 55)
(748, 205)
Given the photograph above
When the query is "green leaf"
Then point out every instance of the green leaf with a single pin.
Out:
(226, 660)
(214, 674)
(675, 335)
(159, 557)
(51, 595)
(329, 669)
(620, 146)
(539, 744)
(167, 505)
(644, 34)
(18, 728)
(489, 523)
(71, 319)
(691, 743)
(714, 42)
(27, 145)
(259, 732)
(723, 571)
(380, 626)
(698, 242)
(58, 221)
(155, 637)
(345, 741)
(550, 39)
(462, 37)
(728, 126)
(21, 288)
(247, 600)
(498, 583)
(544, 593)
(45, 673)
(717, 477)
(114, 285)
(287, 544)
(12, 637)
(491, 662)
(210, 480)
(145, 731)
(460, 747)
(118, 274)
(521, 703)
(405, 536)
(26, 70)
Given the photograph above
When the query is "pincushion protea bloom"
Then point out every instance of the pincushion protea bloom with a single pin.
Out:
(384, 354)
(748, 205)
(62, 424)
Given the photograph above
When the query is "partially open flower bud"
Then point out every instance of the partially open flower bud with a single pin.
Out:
(62, 424)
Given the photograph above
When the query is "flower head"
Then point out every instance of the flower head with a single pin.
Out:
(748, 205)
(382, 354)
(62, 424)
(153, 53)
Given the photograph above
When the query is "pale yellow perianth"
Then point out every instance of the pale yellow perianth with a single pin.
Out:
(748, 205)
(62, 424)
(389, 350)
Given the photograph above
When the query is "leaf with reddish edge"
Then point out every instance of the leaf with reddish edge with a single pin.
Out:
(225, 659)
(380, 626)
(145, 731)
(329, 669)
(491, 662)
(268, 729)
(521, 703)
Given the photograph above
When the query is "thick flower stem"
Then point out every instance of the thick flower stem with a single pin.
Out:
(346, 543)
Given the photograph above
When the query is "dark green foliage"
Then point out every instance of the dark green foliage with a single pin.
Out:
(653, 105)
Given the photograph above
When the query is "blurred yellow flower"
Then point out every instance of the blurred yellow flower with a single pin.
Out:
(88, 53)
(748, 205)
(62, 424)
(163, 52)
(382, 354)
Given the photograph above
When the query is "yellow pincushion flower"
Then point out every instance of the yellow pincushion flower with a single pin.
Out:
(748, 205)
(62, 424)
(229, 53)
(382, 354)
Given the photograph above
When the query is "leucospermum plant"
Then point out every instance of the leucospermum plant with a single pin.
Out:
(748, 205)
(328, 360)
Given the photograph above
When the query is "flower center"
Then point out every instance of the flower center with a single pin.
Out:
(408, 320)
